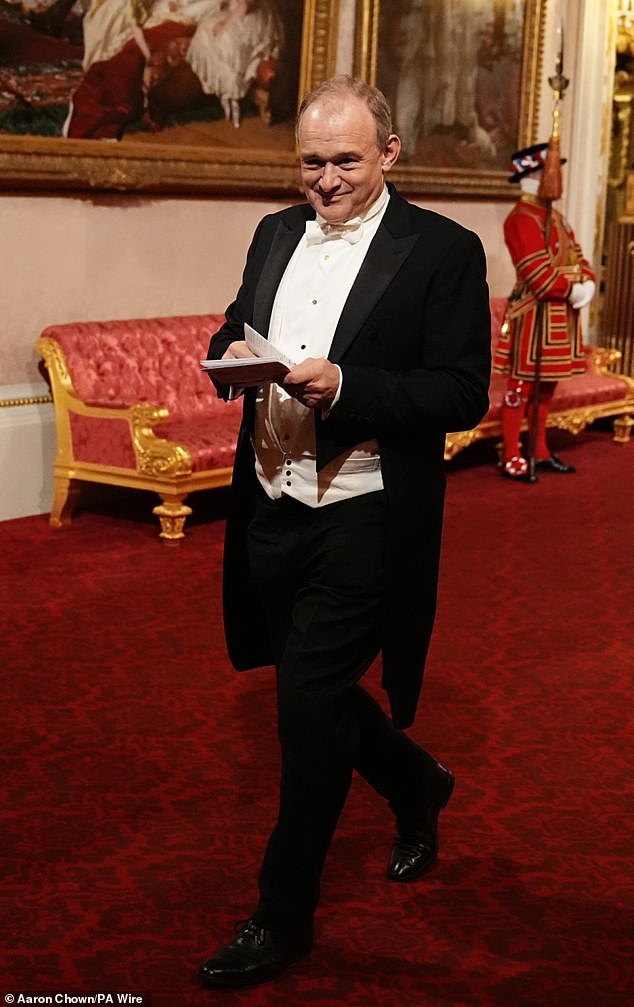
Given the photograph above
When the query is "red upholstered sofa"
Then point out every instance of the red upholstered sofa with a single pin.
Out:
(133, 408)
(577, 402)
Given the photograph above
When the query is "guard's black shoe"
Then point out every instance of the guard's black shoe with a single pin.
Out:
(415, 848)
(255, 956)
(554, 464)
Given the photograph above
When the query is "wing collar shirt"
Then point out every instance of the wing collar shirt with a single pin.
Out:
(307, 307)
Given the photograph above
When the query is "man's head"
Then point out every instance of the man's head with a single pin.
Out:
(346, 145)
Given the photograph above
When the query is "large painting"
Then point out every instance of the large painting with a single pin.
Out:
(158, 95)
(462, 77)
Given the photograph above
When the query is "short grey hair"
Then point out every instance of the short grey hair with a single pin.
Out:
(343, 85)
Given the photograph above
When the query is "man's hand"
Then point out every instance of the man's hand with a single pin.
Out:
(236, 350)
(314, 383)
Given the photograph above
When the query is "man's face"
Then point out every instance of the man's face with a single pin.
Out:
(342, 167)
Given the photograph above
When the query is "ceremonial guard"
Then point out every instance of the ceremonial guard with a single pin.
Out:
(541, 340)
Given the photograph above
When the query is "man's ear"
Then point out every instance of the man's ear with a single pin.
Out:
(391, 152)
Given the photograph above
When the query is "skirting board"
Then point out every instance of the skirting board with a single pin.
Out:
(27, 450)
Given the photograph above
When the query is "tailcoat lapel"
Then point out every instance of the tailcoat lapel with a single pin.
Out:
(283, 245)
(391, 245)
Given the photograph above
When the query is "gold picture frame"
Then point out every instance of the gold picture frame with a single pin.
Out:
(454, 169)
(39, 163)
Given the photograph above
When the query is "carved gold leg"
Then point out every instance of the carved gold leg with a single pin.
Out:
(172, 514)
(64, 499)
(622, 429)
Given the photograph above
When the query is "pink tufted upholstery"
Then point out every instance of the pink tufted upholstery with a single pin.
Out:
(102, 441)
(140, 360)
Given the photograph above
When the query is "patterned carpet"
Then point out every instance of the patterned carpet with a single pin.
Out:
(138, 771)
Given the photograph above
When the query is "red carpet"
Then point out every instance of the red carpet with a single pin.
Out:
(138, 771)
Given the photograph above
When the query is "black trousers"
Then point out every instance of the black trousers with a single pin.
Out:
(319, 573)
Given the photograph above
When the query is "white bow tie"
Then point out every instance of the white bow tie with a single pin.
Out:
(316, 233)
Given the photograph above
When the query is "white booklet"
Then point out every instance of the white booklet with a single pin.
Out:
(268, 364)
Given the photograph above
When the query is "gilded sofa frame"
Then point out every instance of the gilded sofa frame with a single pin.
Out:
(163, 466)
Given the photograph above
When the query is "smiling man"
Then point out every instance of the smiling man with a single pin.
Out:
(333, 536)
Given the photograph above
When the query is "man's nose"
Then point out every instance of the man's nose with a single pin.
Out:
(329, 177)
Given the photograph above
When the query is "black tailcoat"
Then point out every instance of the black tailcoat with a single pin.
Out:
(413, 344)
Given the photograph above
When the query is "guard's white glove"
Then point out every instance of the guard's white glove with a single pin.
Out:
(581, 294)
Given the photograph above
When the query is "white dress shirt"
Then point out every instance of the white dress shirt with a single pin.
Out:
(307, 307)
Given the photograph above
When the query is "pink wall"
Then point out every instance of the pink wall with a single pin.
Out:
(68, 258)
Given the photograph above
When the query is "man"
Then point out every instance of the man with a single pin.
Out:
(333, 537)
(554, 282)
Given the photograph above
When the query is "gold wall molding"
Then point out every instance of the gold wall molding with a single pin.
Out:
(31, 400)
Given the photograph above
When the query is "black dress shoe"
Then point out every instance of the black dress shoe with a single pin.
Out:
(255, 956)
(554, 464)
(415, 848)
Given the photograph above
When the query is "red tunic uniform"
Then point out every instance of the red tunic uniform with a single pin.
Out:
(545, 275)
